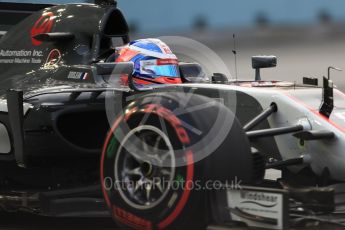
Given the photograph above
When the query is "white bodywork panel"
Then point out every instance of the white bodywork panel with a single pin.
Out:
(293, 109)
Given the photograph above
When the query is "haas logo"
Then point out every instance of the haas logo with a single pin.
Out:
(43, 25)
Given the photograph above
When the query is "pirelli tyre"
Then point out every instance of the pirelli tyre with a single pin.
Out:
(155, 169)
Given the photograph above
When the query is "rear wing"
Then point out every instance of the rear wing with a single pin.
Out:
(13, 13)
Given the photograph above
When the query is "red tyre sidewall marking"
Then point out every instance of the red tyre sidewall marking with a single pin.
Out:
(131, 220)
(104, 151)
(185, 196)
(160, 111)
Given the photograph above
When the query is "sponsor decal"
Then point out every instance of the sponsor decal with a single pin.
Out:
(131, 220)
(167, 62)
(85, 76)
(259, 207)
(258, 198)
(54, 57)
(78, 76)
(20, 56)
(43, 25)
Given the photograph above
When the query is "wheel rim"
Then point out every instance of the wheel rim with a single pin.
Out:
(141, 173)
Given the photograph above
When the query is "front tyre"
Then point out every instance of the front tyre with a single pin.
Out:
(151, 171)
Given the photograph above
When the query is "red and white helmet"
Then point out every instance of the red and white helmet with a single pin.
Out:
(154, 63)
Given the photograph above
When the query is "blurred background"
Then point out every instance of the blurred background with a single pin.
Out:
(307, 36)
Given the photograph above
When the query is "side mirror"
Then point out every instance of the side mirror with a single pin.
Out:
(259, 62)
(192, 73)
(219, 78)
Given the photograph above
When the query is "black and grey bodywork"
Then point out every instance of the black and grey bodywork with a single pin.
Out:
(47, 87)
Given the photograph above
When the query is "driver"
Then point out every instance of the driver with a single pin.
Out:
(154, 63)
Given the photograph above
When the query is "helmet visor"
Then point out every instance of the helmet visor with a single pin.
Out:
(156, 68)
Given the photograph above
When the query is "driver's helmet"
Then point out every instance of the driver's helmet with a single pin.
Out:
(154, 63)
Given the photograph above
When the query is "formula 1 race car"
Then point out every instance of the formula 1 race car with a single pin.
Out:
(185, 156)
